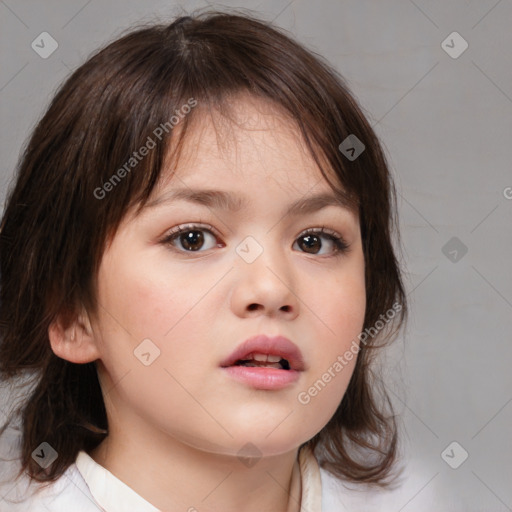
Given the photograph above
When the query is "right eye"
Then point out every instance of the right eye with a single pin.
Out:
(190, 236)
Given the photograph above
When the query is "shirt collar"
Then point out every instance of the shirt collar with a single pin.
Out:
(311, 498)
(113, 495)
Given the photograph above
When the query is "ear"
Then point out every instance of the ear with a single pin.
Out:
(72, 338)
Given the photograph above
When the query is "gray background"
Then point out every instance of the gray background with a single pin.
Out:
(446, 125)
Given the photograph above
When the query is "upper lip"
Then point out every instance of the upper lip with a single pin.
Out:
(262, 344)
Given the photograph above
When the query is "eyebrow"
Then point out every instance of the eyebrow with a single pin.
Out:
(222, 200)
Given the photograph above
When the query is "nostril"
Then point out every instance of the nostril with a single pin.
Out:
(252, 307)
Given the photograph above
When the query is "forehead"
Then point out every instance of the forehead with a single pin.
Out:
(250, 158)
(248, 142)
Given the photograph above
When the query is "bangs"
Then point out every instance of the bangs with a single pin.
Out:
(145, 102)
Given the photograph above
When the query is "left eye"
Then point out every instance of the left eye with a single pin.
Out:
(310, 239)
(191, 238)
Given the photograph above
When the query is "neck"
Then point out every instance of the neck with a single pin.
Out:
(174, 476)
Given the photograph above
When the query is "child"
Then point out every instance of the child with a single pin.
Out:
(196, 260)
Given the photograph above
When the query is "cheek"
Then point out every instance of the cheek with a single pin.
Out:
(345, 309)
(340, 310)
(339, 305)
(144, 296)
(139, 302)
(147, 299)
(347, 319)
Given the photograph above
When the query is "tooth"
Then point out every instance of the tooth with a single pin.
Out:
(277, 366)
(264, 358)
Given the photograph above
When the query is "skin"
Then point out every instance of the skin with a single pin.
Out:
(177, 425)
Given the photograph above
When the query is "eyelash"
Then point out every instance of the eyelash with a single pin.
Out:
(340, 245)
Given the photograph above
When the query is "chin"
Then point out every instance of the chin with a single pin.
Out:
(253, 445)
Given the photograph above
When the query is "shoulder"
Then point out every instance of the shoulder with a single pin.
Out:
(69, 492)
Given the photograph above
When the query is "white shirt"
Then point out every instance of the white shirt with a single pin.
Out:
(86, 486)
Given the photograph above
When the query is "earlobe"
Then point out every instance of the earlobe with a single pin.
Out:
(73, 339)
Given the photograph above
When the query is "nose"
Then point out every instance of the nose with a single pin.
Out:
(267, 286)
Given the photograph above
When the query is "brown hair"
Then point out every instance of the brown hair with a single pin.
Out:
(55, 225)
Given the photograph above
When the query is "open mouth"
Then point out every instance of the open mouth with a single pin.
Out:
(263, 361)
(261, 356)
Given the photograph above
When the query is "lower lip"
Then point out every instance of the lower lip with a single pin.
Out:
(263, 378)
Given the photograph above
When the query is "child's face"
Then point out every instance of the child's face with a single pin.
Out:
(198, 306)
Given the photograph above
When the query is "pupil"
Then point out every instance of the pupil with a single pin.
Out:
(192, 238)
(309, 243)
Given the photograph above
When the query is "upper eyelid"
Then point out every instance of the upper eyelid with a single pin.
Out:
(193, 225)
